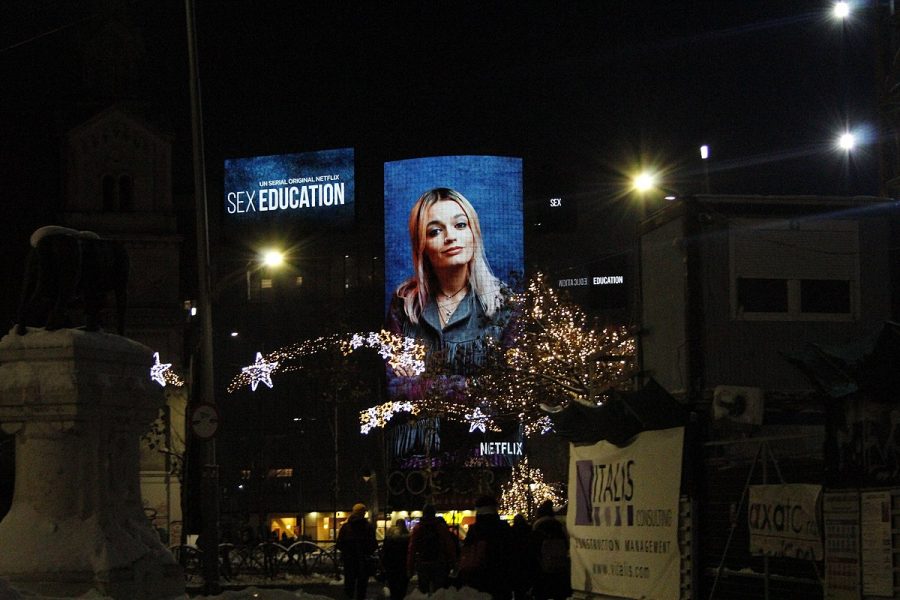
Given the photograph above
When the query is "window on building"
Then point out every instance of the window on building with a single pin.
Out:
(798, 297)
(280, 473)
(824, 296)
(126, 193)
(110, 200)
(762, 295)
(118, 193)
(801, 269)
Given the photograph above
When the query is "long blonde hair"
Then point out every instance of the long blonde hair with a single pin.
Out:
(416, 290)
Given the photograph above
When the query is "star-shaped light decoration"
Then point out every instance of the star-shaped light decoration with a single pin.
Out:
(260, 371)
(379, 416)
(545, 425)
(477, 420)
(158, 370)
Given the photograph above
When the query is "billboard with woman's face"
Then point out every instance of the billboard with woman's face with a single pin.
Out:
(492, 184)
(453, 244)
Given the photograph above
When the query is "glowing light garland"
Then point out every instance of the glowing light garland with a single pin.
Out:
(526, 490)
(402, 353)
(398, 351)
(478, 420)
(379, 416)
(260, 371)
(163, 374)
(554, 358)
(158, 370)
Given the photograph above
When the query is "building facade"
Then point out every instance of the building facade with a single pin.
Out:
(735, 291)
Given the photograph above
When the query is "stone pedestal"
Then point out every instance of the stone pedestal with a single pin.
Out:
(78, 403)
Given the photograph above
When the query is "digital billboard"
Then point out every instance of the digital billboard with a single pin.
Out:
(453, 245)
(602, 284)
(312, 186)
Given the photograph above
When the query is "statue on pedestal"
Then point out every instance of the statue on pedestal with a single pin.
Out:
(77, 402)
(66, 266)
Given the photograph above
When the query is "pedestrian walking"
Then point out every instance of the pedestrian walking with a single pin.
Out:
(432, 551)
(393, 559)
(357, 544)
(550, 547)
(485, 561)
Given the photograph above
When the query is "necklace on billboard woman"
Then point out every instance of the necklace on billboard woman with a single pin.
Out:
(449, 305)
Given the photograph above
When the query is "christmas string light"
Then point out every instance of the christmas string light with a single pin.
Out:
(478, 420)
(379, 416)
(163, 374)
(401, 353)
(158, 370)
(172, 378)
(260, 371)
(398, 351)
(526, 490)
(554, 358)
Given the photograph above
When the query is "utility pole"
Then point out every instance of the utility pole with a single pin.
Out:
(210, 478)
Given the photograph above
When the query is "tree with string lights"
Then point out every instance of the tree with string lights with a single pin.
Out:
(550, 356)
(553, 357)
(526, 490)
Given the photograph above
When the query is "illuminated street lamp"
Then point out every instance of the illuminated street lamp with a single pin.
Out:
(841, 10)
(846, 141)
(273, 258)
(270, 259)
(704, 156)
(644, 182)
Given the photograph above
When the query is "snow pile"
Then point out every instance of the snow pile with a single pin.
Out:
(451, 593)
(6, 592)
(252, 593)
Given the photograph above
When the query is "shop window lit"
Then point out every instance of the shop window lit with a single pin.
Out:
(281, 473)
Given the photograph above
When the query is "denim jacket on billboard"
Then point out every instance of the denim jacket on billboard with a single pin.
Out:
(463, 343)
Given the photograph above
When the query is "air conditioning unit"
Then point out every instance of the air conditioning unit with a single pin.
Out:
(738, 404)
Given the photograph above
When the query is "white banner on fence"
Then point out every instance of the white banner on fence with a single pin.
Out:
(782, 520)
(842, 553)
(623, 516)
(878, 547)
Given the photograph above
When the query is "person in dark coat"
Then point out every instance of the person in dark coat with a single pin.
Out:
(523, 564)
(393, 559)
(432, 551)
(486, 557)
(357, 544)
(550, 546)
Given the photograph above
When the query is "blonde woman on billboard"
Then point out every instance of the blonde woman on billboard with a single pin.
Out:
(452, 303)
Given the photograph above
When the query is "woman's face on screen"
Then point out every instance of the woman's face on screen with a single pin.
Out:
(449, 241)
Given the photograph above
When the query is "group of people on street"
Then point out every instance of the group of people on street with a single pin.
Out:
(519, 561)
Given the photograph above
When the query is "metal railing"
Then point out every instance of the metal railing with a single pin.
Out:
(265, 559)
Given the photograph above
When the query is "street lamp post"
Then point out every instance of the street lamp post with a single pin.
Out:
(210, 474)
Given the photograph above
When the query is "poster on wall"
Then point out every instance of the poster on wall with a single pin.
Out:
(842, 559)
(782, 521)
(454, 246)
(317, 187)
(623, 516)
(878, 551)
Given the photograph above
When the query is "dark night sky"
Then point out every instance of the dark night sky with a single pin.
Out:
(582, 91)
